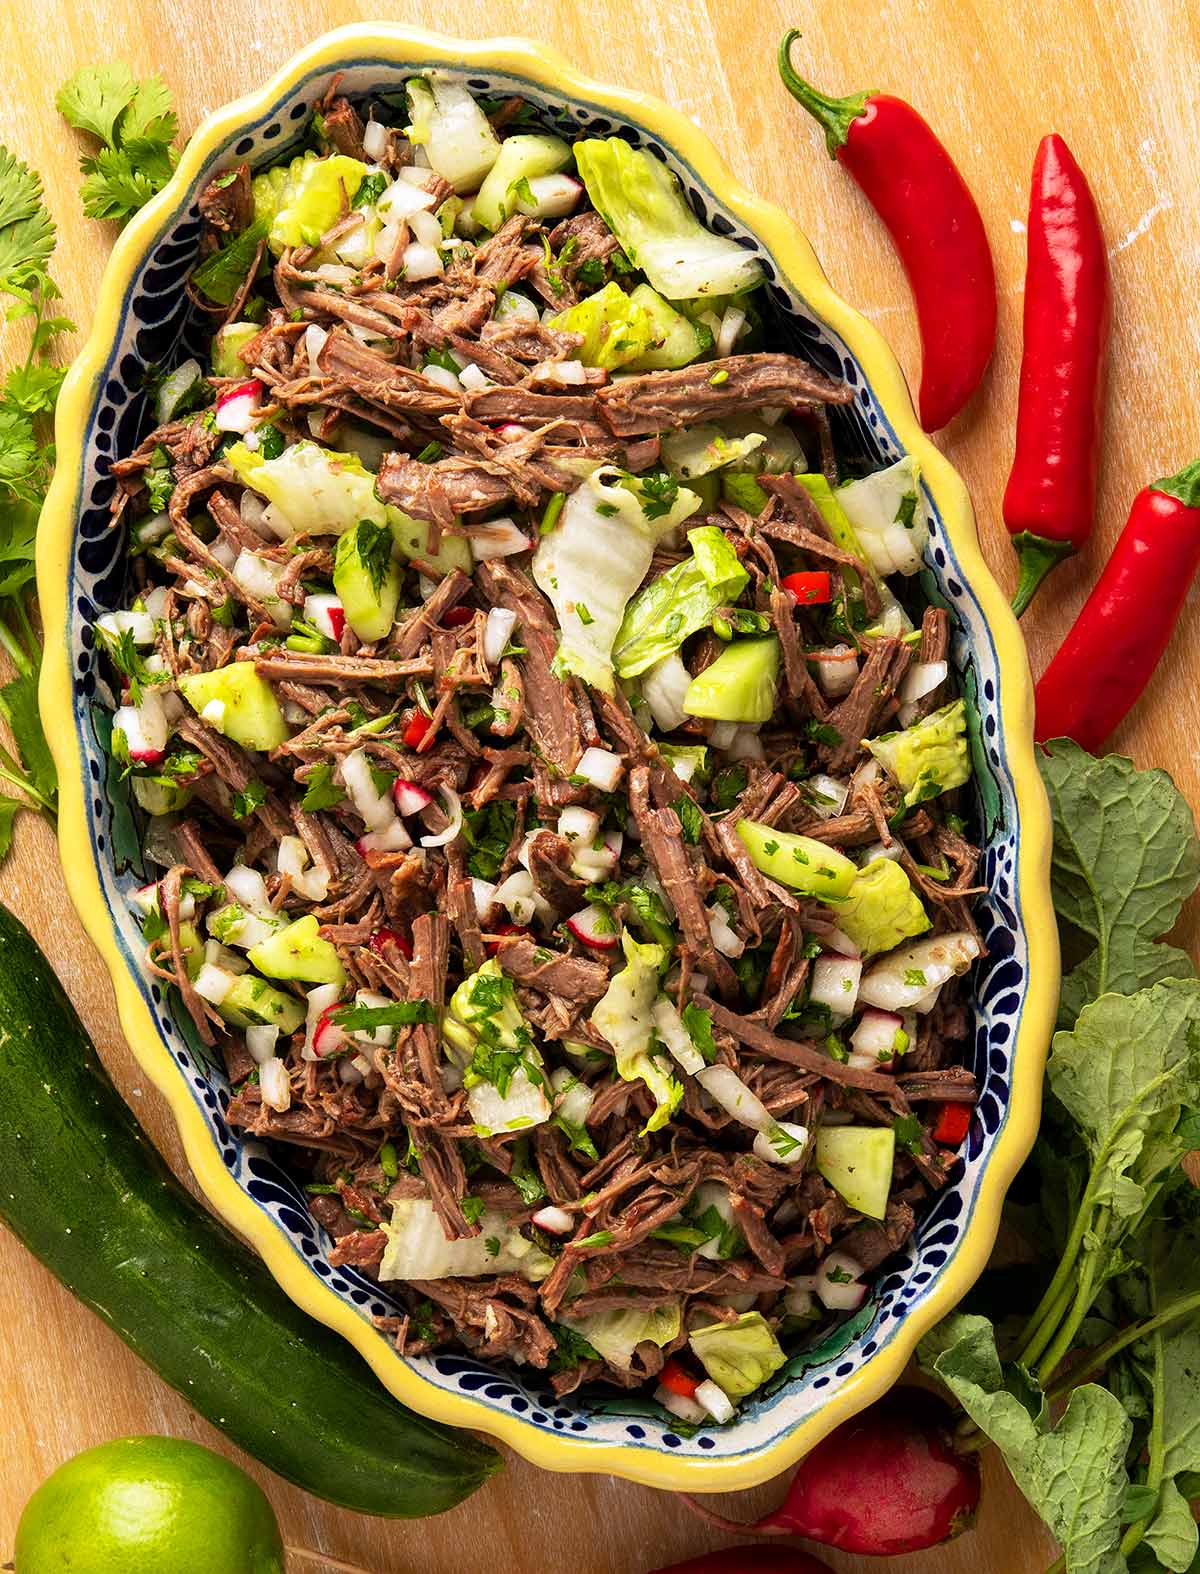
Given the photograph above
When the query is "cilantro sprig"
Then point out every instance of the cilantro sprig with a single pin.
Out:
(134, 124)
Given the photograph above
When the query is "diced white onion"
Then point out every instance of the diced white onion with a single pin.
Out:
(515, 307)
(421, 262)
(668, 1025)
(374, 807)
(292, 859)
(484, 892)
(261, 1039)
(348, 1071)
(248, 888)
(453, 806)
(726, 1088)
(217, 955)
(443, 377)
(663, 687)
(375, 140)
(875, 1035)
(837, 678)
(574, 1098)
(138, 624)
(497, 538)
(835, 1296)
(374, 1037)
(426, 229)
(403, 198)
(906, 977)
(745, 743)
(497, 632)
(826, 795)
(723, 733)
(571, 374)
(155, 603)
(213, 983)
(728, 333)
(782, 1143)
(577, 824)
(556, 1221)
(921, 679)
(601, 767)
(799, 1301)
(518, 894)
(225, 553)
(680, 1405)
(390, 838)
(416, 173)
(274, 1085)
(881, 850)
(715, 1400)
(835, 982)
(727, 941)
(251, 508)
(474, 377)
(314, 342)
(260, 576)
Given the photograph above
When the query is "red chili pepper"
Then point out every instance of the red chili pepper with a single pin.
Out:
(1126, 623)
(457, 617)
(912, 183)
(384, 936)
(678, 1379)
(504, 929)
(1051, 494)
(952, 1124)
(750, 1560)
(814, 588)
(418, 725)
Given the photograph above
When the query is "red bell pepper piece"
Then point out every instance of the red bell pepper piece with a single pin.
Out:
(912, 183)
(417, 726)
(458, 617)
(504, 929)
(1126, 623)
(811, 589)
(952, 1124)
(678, 1380)
(1051, 494)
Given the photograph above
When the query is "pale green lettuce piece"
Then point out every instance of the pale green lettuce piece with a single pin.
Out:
(888, 512)
(317, 491)
(930, 757)
(625, 1017)
(417, 1247)
(740, 1356)
(616, 1335)
(521, 157)
(882, 908)
(447, 122)
(679, 603)
(1126, 858)
(485, 1034)
(615, 328)
(697, 450)
(597, 556)
(641, 202)
(303, 201)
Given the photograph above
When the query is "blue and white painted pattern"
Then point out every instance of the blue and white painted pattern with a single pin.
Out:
(157, 325)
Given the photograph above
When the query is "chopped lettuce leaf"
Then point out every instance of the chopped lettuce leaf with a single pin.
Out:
(739, 685)
(315, 490)
(597, 556)
(487, 1037)
(642, 203)
(625, 1017)
(679, 603)
(740, 1356)
(417, 1247)
(615, 328)
(930, 757)
(889, 516)
(695, 450)
(303, 201)
(455, 133)
(616, 1335)
(882, 908)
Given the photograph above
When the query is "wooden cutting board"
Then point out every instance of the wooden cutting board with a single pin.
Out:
(1119, 83)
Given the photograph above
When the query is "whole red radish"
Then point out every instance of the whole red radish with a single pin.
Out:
(885, 1482)
(749, 1560)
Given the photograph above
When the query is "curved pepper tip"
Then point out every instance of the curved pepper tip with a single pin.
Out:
(1036, 555)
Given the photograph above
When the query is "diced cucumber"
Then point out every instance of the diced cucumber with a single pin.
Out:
(521, 158)
(740, 487)
(298, 952)
(412, 540)
(708, 489)
(192, 946)
(368, 580)
(677, 342)
(252, 1002)
(226, 361)
(159, 797)
(800, 862)
(857, 1163)
(740, 684)
(252, 715)
(615, 329)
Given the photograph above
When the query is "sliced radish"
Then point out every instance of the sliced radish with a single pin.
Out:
(601, 768)
(570, 374)
(327, 615)
(237, 408)
(554, 196)
(875, 1035)
(373, 1037)
(410, 797)
(594, 926)
(319, 1000)
(496, 633)
(145, 727)
(510, 431)
(835, 982)
(497, 538)
(555, 1221)
(597, 863)
(680, 1405)
(380, 938)
(327, 1037)
(579, 825)
(837, 677)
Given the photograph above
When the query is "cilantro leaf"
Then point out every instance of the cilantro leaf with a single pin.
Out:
(149, 119)
(245, 802)
(9, 809)
(114, 186)
(221, 275)
(1126, 857)
(19, 707)
(700, 1029)
(690, 818)
(92, 100)
(135, 124)
(26, 229)
(320, 789)
(400, 1013)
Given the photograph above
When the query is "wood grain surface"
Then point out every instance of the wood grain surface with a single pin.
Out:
(1119, 81)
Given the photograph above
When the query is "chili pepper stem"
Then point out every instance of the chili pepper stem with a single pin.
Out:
(1037, 555)
(834, 115)
(1185, 485)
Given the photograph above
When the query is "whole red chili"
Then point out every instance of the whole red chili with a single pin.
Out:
(1051, 493)
(1126, 623)
(750, 1560)
(912, 183)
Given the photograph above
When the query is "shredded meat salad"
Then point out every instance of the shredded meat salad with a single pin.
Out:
(559, 809)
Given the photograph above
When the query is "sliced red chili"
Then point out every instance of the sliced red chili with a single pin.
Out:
(458, 617)
(385, 937)
(811, 589)
(952, 1124)
(678, 1380)
(504, 929)
(418, 725)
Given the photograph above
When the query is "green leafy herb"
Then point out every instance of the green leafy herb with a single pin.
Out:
(659, 491)
(373, 544)
(399, 1013)
(252, 797)
(690, 818)
(320, 789)
(160, 479)
(223, 272)
(572, 1348)
(135, 125)
(472, 1209)
(431, 451)
(370, 189)
(728, 786)
(700, 1029)
(909, 1133)
(490, 831)
(600, 1238)
(523, 1174)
